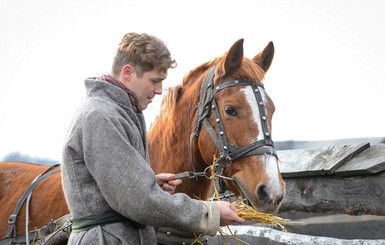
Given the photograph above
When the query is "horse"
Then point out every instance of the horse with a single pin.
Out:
(217, 124)
(220, 114)
(46, 207)
(221, 111)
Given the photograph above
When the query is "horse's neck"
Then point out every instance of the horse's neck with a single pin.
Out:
(169, 144)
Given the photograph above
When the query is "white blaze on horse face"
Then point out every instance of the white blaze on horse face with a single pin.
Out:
(253, 104)
(271, 165)
(273, 175)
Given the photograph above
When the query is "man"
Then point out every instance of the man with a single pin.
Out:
(113, 194)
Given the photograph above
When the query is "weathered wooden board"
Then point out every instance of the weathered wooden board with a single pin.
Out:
(317, 161)
(353, 195)
(337, 225)
(370, 161)
(263, 236)
(305, 144)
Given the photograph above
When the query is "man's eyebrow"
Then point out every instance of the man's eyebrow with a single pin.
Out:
(158, 78)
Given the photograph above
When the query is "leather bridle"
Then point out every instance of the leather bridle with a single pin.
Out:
(229, 152)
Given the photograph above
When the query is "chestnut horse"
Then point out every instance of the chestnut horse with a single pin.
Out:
(221, 109)
(47, 202)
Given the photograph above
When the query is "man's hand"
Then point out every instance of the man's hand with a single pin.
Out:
(168, 182)
(228, 215)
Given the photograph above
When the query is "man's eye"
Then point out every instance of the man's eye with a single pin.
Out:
(231, 111)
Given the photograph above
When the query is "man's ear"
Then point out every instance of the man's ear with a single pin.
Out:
(126, 72)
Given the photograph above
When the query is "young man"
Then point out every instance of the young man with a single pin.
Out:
(113, 194)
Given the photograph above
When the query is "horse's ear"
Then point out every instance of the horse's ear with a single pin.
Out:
(264, 58)
(234, 57)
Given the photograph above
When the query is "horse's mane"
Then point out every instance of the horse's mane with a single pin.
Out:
(171, 96)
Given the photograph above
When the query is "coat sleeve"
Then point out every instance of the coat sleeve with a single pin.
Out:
(128, 184)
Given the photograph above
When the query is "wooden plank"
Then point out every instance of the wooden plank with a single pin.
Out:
(317, 161)
(298, 144)
(248, 234)
(340, 226)
(353, 195)
(370, 161)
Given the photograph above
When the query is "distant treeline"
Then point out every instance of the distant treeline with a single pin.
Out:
(19, 157)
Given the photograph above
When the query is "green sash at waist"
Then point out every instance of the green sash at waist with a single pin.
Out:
(88, 222)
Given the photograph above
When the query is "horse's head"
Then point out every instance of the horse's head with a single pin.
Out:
(234, 124)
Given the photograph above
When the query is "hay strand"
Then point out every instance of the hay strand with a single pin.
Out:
(248, 212)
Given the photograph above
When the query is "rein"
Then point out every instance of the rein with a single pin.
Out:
(228, 152)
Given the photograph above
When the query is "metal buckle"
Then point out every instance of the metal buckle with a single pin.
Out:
(12, 219)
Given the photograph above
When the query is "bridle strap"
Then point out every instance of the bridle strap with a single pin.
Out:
(229, 152)
(202, 110)
(204, 100)
(256, 148)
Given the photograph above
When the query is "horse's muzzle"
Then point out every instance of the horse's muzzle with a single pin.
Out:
(264, 199)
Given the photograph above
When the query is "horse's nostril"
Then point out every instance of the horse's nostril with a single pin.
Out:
(262, 193)
(278, 200)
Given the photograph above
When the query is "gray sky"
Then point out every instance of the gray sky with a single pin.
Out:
(327, 77)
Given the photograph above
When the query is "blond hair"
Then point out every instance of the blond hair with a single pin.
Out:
(144, 52)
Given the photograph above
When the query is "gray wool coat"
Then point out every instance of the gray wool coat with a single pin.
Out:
(106, 169)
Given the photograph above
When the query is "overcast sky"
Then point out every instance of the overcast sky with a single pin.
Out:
(327, 78)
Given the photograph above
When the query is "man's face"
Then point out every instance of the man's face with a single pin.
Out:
(147, 86)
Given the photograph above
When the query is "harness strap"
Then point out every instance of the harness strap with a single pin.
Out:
(11, 232)
(205, 92)
(262, 114)
(223, 149)
(257, 148)
(45, 233)
(212, 133)
(202, 109)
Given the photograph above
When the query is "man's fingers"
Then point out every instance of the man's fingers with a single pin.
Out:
(233, 207)
(166, 176)
(168, 188)
(175, 182)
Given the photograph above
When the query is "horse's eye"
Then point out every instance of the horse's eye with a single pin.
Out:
(231, 111)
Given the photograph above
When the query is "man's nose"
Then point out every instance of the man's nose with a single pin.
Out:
(158, 89)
